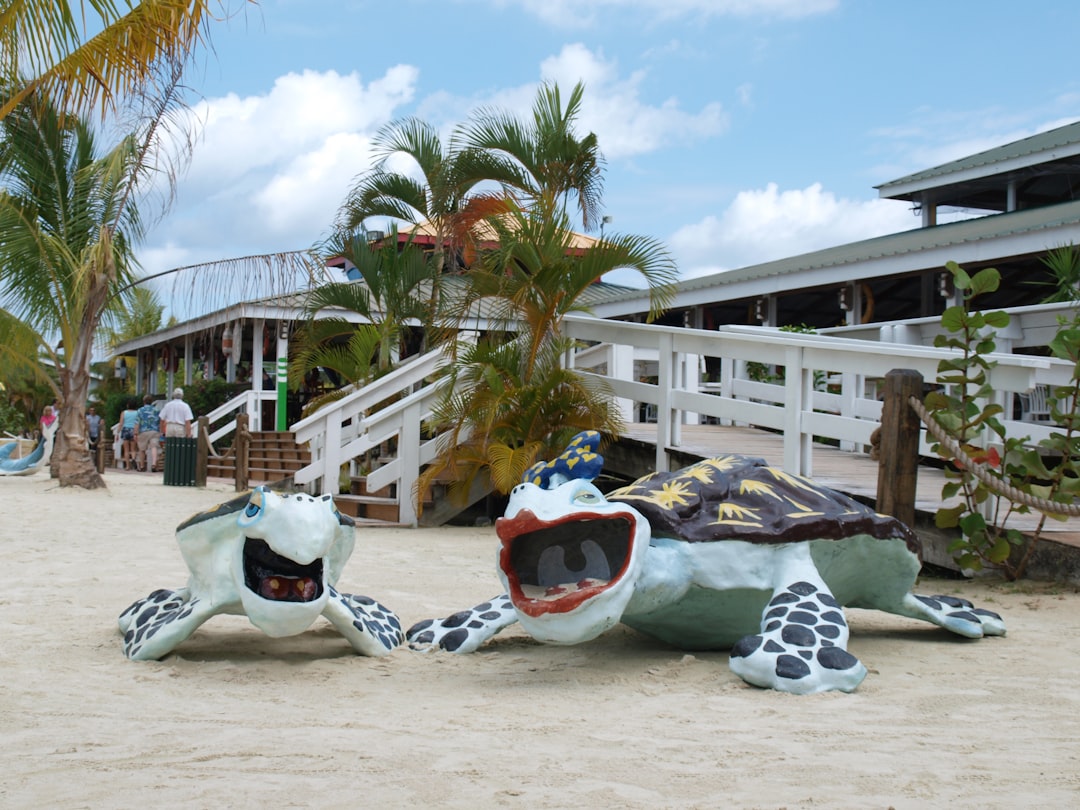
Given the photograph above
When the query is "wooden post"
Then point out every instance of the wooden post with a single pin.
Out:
(898, 462)
(202, 451)
(99, 450)
(241, 448)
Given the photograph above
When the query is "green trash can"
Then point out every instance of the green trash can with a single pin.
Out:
(180, 455)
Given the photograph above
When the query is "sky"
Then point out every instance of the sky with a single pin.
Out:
(733, 131)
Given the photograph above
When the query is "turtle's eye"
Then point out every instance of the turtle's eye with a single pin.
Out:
(254, 509)
(587, 497)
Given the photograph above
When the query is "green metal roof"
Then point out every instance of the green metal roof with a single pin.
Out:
(857, 255)
(1026, 153)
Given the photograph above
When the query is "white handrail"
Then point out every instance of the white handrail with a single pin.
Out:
(793, 407)
(396, 405)
(245, 402)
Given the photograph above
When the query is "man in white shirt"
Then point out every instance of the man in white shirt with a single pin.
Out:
(176, 416)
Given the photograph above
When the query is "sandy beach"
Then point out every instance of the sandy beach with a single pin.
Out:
(235, 719)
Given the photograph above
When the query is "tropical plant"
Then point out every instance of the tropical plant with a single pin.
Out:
(509, 399)
(390, 295)
(141, 315)
(1017, 475)
(436, 186)
(543, 163)
(68, 225)
(45, 50)
(1064, 265)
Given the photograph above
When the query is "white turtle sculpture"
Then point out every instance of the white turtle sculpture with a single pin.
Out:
(727, 553)
(274, 558)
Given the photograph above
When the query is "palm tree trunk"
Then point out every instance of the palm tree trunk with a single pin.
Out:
(72, 463)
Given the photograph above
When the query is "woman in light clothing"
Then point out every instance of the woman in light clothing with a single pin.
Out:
(176, 416)
(129, 418)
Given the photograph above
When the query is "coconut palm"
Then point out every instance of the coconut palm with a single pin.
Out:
(68, 226)
(543, 163)
(44, 48)
(438, 186)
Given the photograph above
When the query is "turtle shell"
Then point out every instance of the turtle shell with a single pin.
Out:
(743, 498)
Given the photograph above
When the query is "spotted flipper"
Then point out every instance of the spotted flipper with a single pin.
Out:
(954, 614)
(802, 646)
(466, 630)
(372, 629)
(153, 626)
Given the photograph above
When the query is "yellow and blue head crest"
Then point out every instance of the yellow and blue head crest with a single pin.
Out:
(578, 460)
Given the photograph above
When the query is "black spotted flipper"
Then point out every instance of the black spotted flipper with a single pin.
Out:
(802, 645)
(154, 626)
(464, 631)
(372, 629)
(954, 614)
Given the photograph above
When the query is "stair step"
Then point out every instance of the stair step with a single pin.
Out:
(367, 499)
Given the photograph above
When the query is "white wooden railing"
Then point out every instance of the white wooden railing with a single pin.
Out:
(249, 402)
(396, 406)
(343, 430)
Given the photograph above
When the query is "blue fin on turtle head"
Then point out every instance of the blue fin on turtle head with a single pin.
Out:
(580, 459)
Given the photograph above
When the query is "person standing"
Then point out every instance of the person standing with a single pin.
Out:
(129, 419)
(176, 417)
(48, 416)
(93, 427)
(147, 434)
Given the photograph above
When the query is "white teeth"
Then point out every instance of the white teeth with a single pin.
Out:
(552, 570)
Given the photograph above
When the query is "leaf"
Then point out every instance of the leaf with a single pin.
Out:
(1065, 345)
(986, 280)
(1000, 551)
(949, 518)
(998, 319)
(972, 524)
(949, 490)
(961, 280)
(952, 319)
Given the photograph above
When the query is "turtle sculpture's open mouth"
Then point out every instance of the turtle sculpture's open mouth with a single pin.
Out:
(278, 578)
(554, 566)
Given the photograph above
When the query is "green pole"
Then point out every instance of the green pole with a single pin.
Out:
(282, 391)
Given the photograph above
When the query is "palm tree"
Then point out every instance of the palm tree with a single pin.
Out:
(391, 295)
(68, 226)
(439, 189)
(509, 400)
(1063, 262)
(544, 165)
(43, 49)
(142, 315)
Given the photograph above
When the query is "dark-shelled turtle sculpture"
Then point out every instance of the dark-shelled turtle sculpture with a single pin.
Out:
(726, 553)
(274, 558)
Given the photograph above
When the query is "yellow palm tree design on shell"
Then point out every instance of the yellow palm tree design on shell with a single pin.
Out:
(731, 514)
(670, 494)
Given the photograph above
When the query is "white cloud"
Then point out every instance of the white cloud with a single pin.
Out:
(269, 171)
(766, 224)
(581, 13)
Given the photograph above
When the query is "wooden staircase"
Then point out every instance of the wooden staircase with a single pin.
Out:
(274, 456)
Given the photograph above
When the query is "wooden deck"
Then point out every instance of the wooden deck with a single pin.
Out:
(853, 473)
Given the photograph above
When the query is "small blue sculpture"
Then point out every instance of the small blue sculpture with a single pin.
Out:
(727, 553)
(32, 462)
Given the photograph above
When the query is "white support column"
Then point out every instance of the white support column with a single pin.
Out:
(664, 427)
(798, 388)
(257, 372)
(409, 460)
(622, 368)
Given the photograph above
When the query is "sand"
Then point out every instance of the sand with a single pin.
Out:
(236, 719)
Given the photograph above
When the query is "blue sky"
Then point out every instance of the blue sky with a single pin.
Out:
(735, 131)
